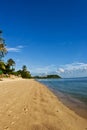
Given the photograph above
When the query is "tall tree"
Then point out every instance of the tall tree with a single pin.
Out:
(11, 63)
(24, 68)
(25, 73)
(3, 49)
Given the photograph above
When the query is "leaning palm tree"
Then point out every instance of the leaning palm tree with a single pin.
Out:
(3, 49)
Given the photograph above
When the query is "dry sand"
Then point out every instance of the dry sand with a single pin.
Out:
(29, 105)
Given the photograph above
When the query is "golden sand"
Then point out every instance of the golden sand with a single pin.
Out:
(29, 105)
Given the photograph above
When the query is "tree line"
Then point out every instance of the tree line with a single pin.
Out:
(8, 68)
(47, 77)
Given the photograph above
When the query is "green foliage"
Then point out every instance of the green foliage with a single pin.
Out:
(25, 73)
(47, 77)
(8, 68)
(5, 68)
(11, 62)
(1, 72)
(3, 49)
(2, 65)
(53, 76)
(24, 68)
(18, 73)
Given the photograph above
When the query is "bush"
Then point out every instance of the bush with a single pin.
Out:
(25, 74)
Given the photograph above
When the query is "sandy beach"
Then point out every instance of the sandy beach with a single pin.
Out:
(29, 105)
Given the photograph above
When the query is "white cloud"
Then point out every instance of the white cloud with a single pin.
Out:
(75, 66)
(73, 70)
(60, 70)
(15, 49)
(67, 70)
(44, 70)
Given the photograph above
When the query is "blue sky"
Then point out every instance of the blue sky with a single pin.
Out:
(49, 36)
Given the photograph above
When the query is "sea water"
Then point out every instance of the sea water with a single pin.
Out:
(71, 90)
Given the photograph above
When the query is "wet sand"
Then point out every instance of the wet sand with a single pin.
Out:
(77, 106)
(29, 105)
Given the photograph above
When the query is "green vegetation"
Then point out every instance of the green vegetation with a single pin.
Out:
(3, 49)
(8, 68)
(47, 77)
(11, 63)
(24, 73)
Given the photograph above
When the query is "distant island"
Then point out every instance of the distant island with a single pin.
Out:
(47, 77)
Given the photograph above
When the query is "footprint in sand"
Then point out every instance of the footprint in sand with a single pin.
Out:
(9, 113)
(6, 128)
(34, 98)
(25, 109)
(12, 123)
(57, 111)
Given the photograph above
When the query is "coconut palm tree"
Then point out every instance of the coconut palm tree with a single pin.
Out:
(11, 63)
(3, 49)
(24, 68)
(25, 73)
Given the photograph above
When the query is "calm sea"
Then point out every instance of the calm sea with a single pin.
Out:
(75, 87)
(71, 91)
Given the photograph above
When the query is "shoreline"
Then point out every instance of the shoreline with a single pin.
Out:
(72, 103)
(28, 104)
(75, 105)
